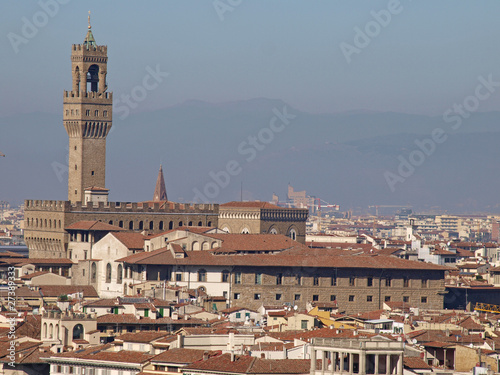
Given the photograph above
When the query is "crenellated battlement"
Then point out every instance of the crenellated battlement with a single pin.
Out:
(86, 49)
(117, 207)
(78, 95)
(46, 205)
(285, 214)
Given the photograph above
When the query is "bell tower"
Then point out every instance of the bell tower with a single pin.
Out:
(87, 117)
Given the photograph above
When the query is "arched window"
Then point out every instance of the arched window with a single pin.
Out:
(273, 231)
(195, 245)
(190, 224)
(93, 78)
(245, 231)
(141, 225)
(202, 275)
(45, 330)
(57, 332)
(151, 225)
(111, 222)
(200, 224)
(171, 225)
(180, 223)
(293, 234)
(161, 225)
(204, 245)
(78, 332)
(108, 273)
(209, 224)
(120, 223)
(93, 272)
(51, 331)
(131, 225)
(119, 275)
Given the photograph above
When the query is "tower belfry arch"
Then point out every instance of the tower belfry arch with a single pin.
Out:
(87, 117)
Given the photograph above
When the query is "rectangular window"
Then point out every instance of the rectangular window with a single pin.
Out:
(238, 315)
(333, 281)
(369, 298)
(178, 277)
(424, 283)
(298, 280)
(369, 281)
(315, 280)
(296, 297)
(256, 296)
(279, 279)
(406, 282)
(237, 278)
(105, 113)
(258, 278)
(351, 298)
(387, 281)
(406, 299)
(352, 281)
(333, 297)
(315, 297)
(247, 315)
(278, 296)
(303, 324)
(423, 300)
(237, 295)
(387, 299)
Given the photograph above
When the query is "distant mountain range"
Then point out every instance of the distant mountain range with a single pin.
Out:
(344, 158)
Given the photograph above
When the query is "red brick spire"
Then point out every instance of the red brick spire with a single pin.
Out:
(160, 190)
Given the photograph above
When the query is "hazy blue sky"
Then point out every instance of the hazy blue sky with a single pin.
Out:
(428, 56)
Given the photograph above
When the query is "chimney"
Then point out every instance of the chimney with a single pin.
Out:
(180, 341)
(232, 355)
(205, 355)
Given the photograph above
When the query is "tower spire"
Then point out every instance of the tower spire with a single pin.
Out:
(160, 190)
(89, 38)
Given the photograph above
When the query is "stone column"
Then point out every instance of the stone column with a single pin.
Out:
(341, 362)
(400, 364)
(313, 360)
(444, 360)
(323, 362)
(362, 362)
(334, 361)
(376, 364)
(388, 364)
(351, 363)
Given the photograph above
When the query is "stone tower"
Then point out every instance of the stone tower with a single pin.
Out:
(87, 117)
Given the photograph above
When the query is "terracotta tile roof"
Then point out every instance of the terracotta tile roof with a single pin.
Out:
(94, 226)
(52, 261)
(100, 353)
(470, 324)
(237, 204)
(183, 356)
(234, 309)
(254, 242)
(104, 302)
(131, 319)
(30, 327)
(198, 230)
(304, 257)
(132, 240)
(143, 336)
(252, 365)
(57, 290)
(34, 274)
(415, 363)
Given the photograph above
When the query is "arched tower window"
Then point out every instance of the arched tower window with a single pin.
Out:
(93, 272)
(78, 332)
(108, 273)
(171, 225)
(131, 225)
(93, 78)
(119, 276)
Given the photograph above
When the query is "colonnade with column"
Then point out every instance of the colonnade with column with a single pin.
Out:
(350, 357)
